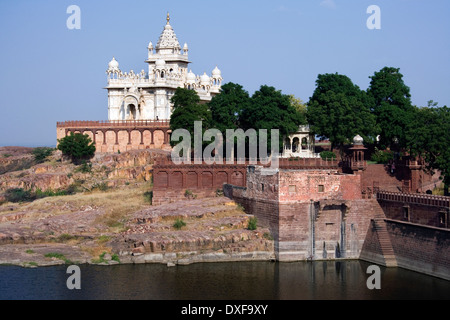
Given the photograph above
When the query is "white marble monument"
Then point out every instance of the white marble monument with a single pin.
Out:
(146, 96)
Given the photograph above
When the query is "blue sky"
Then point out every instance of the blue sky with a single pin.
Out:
(50, 73)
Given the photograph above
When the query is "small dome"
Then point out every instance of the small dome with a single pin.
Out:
(190, 76)
(216, 72)
(358, 140)
(113, 64)
(150, 45)
(204, 78)
(185, 47)
(160, 63)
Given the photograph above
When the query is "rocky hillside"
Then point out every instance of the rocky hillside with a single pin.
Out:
(105, 170)
(101, 213)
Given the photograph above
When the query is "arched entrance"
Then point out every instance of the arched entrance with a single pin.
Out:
(131, 112)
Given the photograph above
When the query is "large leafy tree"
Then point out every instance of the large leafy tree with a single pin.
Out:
(270, 109)
(339, 110)
(428, 136)
(186, 110)
(78, 147)
(228, 106)
(391, 104)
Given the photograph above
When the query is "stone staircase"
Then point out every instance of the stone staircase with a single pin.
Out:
(385, 242)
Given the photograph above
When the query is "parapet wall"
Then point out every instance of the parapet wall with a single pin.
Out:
(422, 209)
(115, 136)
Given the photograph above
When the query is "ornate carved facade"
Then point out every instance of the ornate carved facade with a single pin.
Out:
(146, 96)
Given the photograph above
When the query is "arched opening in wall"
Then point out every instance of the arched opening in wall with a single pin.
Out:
(158, 138)
(131, 112)
(295, 144)
(304, 143)
(207, 179)
(176, 179)
(237, 179)
(162, 74)
(191, 179)
(287, 144)
(161, 179)
(221, 178)
(171, 70)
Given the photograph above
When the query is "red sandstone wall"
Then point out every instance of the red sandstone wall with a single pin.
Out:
(171, 181)
(105, 141)
(173, 195)
(379, 174)
(417, 213)
(306, 185)
(421, 248)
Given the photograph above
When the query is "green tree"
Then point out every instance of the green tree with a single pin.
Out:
(40, 154)
(391, 104)
(339, 110)
(186, 110)
(270, 109)
(228, 106)
(79, 147)
(298, 104)
(428, 136)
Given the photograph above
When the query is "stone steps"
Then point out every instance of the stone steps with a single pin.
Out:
(385, 242)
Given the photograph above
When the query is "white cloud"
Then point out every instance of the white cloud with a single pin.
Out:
(330, 4)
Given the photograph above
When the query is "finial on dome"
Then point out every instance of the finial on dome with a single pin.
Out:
(168, 18)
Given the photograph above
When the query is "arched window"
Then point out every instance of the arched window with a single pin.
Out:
(162, 74)
(287, 144)
(295, 144)
(304, 143)
(132, 112)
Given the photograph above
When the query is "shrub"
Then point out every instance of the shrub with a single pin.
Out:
(42, 153)
(103, 238)
(77, 146)
(148, 196)
(327, 155)
(380, 156)
(19, 195)
(7, 155)
(65, 237)
(115, 257)
(59, 256)
(179, 224)
(86, 167)
(267, 236)
(252, 223)
(101, 186)
(39, 194)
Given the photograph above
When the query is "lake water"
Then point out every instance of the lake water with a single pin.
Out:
(220, 281)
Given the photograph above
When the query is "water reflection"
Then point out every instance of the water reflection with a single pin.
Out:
(241, 281)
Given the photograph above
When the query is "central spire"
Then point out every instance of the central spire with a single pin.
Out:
(168, 39)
